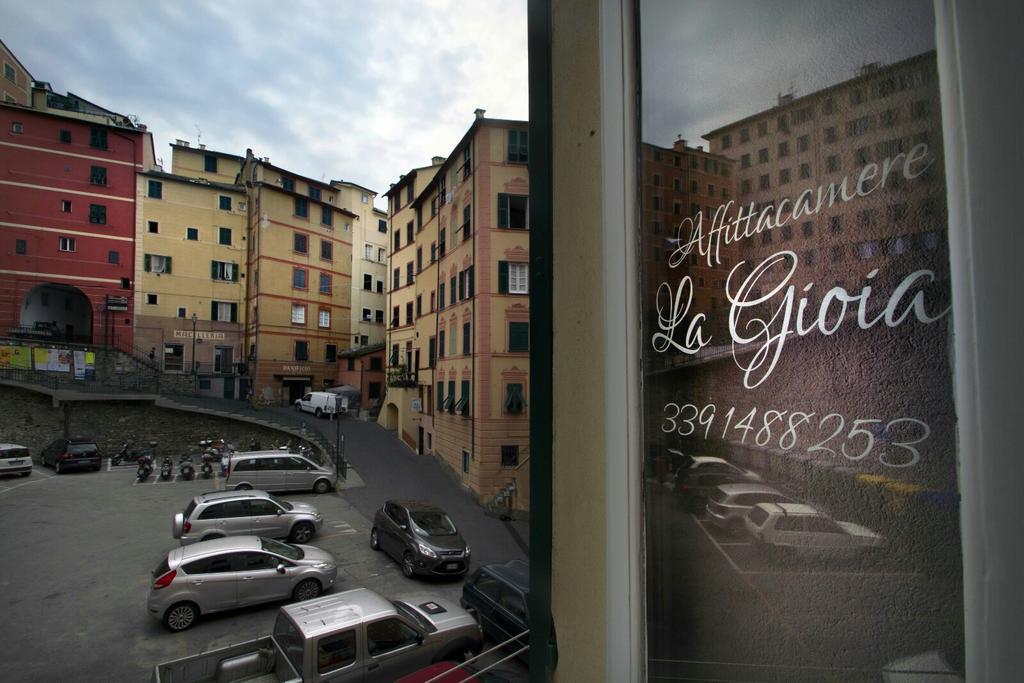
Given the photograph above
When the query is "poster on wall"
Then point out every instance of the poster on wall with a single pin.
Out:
(52, 360)
(85, 365)
(16, 357)
(801, 502)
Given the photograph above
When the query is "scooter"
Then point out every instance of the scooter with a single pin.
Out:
(207, 466)
(167, 468)
(145, 467)
(134, 453)
(186, 468)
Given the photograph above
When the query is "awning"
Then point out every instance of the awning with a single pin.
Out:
(307, 378)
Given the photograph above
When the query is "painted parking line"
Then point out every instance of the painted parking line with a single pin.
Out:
(344, 528)
(5, 489)
(721, 545)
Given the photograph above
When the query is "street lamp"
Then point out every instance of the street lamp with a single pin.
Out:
(195, 318)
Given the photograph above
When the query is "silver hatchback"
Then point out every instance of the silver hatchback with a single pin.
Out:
(238, 513)
(212, 576)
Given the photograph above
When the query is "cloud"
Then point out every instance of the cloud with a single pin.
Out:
(357, 90)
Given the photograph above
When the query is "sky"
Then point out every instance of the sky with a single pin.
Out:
(706, 63)
(337, 89)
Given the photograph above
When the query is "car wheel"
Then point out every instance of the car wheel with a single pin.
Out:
(181, 616)
(243, 487)
(408, 565)
(56, 467)
(318, 412)
(307, 590)
(321, 486)
(374, 539)
(302, 532)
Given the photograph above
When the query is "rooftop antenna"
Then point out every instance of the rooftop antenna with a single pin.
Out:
(199, 134)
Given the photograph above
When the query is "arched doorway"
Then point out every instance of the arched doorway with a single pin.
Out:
(62, 310)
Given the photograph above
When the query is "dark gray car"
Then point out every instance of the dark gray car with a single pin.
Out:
(239, 513)
(421, 537)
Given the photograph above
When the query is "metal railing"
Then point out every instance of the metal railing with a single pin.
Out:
(471, 674)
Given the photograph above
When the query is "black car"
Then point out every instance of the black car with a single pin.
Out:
(421, 537)
(497, 595)
(68, 453)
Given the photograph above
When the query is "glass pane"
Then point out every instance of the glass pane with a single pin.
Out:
(796, 316)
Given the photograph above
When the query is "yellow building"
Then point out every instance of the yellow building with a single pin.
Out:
(17, 81)
(298, 295)
(190, 272)
(369, 263)
(459, 340)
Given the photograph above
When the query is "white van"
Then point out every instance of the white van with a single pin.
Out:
(319, 403)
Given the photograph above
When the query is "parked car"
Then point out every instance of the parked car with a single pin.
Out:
(15, 459)
(225, 573)
(278, 471)
(697, 476)
(319, 403)
(421, 537)
(497, 595)
(351, 636)
(728, 504)
(240, 513)
(781, 529)
(67, 453)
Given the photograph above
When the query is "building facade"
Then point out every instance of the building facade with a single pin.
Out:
(69, 195)
(369, 263)
(298, 289)
(16, 85)
(459, 337)
(190, 263)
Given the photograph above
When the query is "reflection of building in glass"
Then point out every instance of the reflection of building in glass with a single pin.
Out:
(872, 131)
(678, 183)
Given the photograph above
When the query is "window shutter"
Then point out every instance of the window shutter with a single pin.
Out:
(146, 264)
(213, 310)
(234, 313)
(503, 277)
(213, 269)
(469, 282)
(502, 210)
(234, 272)
(440, 395)
(167, 265)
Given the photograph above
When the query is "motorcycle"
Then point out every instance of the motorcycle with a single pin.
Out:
(145, 467)
(207, 466)
(127, 453)
(185, 467)
(167, 468)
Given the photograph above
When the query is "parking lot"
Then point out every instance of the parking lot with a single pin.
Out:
(76, 555)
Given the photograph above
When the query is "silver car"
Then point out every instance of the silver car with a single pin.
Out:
(226, 573)
(728, 504)
(15, 459)
(278, 471)
(239, 513)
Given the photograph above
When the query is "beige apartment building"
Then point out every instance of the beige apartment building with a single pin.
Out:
(299, 290)
(17, 81)
(459, 311)
(190, 268)
(369, 263)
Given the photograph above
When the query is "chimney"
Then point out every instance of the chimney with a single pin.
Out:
(181, 143)
(202, 146)
(679, 145)
(479, 113)
(437, 161)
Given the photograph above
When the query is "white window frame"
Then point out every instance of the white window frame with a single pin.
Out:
(157, 263)
(518, 278)
(67, 244)
(298, 314)
(324, 318)
(225, 271)
(224, 311)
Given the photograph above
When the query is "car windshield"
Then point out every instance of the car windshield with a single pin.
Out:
(433, 523)
(161, 568)
(283, 503)
(189, 509)
(81, 448)
(410, 613)
(283, 549)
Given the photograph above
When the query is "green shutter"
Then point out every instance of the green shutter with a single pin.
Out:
(145, 263)
(234, 313)
(440, 395)
(440, 340)
(503, 277)
(502, 210)
(234, 272)
(518, 337)
(469, 282)
(213, 269)
(213, 310)
(167, 265)
(465, 338)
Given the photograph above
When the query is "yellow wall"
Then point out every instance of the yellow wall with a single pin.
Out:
(190, 161)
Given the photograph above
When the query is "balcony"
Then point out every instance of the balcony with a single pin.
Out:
(401, 377)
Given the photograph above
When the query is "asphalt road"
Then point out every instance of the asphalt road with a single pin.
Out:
(77, 551)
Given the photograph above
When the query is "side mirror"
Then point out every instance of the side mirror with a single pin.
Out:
(403, 527)
(280, 511)
(280, 568)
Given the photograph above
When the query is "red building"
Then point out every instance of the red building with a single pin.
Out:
(363, 368)
(67, 188)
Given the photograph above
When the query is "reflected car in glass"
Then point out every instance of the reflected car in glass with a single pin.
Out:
(241, 513)
(728, 504)
(782, 530)
(226, 573)
(696, 477)
(421, 537)
(497, 595)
